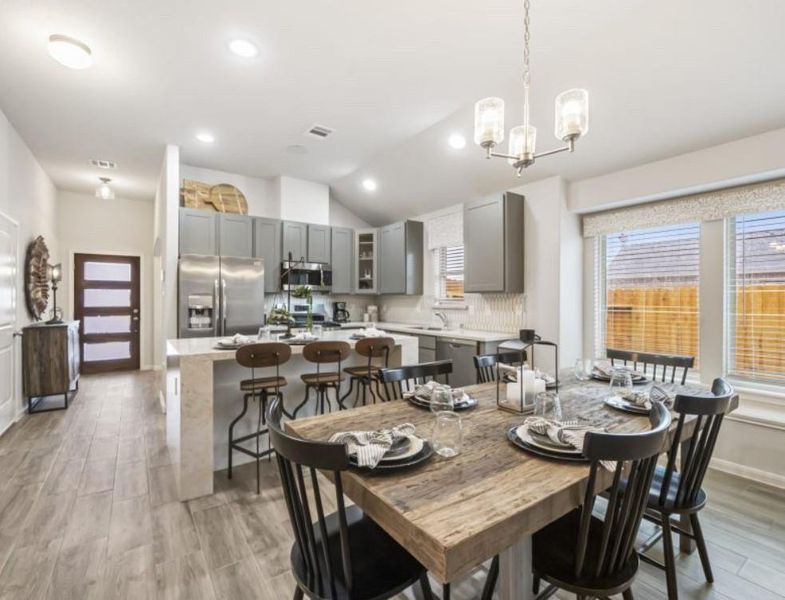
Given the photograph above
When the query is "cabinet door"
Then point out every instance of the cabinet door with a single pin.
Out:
(267, 246)
(483, 242)
(197, 232)
(318, 243)
(235, 235)
(341, 260)
(295, 236)
(392, 259)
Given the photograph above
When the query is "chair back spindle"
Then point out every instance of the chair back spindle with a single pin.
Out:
(397, 381)
(659, 364)
(485, 364)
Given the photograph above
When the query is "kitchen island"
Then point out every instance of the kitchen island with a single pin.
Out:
(203, 397)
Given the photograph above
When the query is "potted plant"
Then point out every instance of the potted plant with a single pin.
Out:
(304, 292)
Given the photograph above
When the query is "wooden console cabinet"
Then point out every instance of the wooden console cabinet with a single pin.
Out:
(50, 362)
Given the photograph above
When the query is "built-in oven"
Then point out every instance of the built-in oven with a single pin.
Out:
(317, 276)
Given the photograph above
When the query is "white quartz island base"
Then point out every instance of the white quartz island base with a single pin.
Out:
(204, 397)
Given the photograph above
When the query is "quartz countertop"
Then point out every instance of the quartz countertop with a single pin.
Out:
(474, 335)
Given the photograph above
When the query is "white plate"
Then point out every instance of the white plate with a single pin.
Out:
(630, 407)
(525, 436)
(415, 447)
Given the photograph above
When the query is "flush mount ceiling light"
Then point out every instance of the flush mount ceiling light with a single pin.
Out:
(103, 191)
(70, 52)
(243, 48)
(572, 118)
(205, 137)
(369, 185)
(457, 141)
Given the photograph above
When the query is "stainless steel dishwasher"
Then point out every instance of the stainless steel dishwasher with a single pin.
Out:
(461, 353)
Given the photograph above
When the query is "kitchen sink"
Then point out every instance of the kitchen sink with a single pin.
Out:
(427, 328)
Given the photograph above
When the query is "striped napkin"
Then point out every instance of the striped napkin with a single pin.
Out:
(572, 433)
(424, 391)
(370, 446)
(646, 398)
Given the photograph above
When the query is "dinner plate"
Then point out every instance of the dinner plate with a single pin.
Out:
(463, 405)
(411, 448)
(423, 456)
(220, 346)
(512, 436)
(544, 442)
(637, 378)
(625, 406)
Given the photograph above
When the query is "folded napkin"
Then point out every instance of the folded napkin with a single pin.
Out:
(508, 373)
(237, 340)
(304, 336)
(370, 332)
(572, 433)
(424, 391)
(370, 446)
(646, 398)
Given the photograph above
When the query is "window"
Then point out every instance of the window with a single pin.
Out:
(756, 297)
(648, 290)
(449, 272)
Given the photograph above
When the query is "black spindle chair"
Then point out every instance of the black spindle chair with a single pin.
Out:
(485, 364)
(396, 381)
(344, 555)
(657, 362)
(681, 493)
(378, 348)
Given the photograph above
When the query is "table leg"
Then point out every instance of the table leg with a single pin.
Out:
(686, 545)
(515, 572)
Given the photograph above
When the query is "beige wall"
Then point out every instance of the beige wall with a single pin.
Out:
(87, 224)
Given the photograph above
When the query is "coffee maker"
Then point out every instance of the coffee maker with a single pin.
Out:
(340, 314)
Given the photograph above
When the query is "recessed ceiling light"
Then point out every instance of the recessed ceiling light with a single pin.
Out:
(297, 149)
(457, 141)
(205, 137)
(369, 185)
(70, 52)
(243, 48)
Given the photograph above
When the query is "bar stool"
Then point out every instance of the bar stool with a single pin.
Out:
(258, 356)
(375, 347)
(322, 353)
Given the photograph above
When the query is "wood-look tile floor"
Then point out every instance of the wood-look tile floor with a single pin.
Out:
(88, 510)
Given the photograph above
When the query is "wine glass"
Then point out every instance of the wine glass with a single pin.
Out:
(447, 434)
(584, 367)
(621, 383)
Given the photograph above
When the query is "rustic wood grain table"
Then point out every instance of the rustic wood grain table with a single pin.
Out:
(454, 514)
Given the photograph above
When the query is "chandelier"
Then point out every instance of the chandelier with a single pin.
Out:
(571, 120)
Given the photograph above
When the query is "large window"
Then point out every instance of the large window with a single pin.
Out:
(449, 272)
(648, 290)
(756, 297)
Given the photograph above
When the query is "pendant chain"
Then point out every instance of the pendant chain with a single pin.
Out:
(526, 72)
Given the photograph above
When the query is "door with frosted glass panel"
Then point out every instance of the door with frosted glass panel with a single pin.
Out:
(106, 302)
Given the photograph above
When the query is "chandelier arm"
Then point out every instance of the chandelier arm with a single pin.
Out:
(567, 148)
(502, 155)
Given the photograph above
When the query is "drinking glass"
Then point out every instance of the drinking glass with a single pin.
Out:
(548, 406)
(621, 383)
(584, 368)
(317, 331)
(447, 434)
(442, 400)
(264, 334)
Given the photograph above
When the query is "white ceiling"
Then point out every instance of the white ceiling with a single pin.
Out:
(394, 79)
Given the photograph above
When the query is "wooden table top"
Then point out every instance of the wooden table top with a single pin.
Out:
(453, 514)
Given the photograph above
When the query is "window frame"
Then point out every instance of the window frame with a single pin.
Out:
(439, 277)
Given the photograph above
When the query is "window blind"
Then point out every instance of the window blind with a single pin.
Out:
(450, 269)
(650, 293)
(756, 297)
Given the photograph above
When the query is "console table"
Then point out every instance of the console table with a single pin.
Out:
(50, 363)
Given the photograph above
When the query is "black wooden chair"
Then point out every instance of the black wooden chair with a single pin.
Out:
(398, 380)
(344, 555)
(258, 356)
(378, 348)
(322, 353)
(485, 364)
(680, 493)
(657, 362)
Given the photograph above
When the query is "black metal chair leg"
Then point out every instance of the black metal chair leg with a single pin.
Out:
(362, 383)
(701, 543)
(446, 591)
(670, 558)
(627, 594)
(341, 405)
(536, 584)
(490, 580)
(298, 594)
(258, 435)
(425, 585)
(304, 402)
(231, 432)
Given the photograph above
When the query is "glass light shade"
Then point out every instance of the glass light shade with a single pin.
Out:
(104, 192)
(55, 273)
(572, 114)
(489, 121)
(70, 52)
(522, 142)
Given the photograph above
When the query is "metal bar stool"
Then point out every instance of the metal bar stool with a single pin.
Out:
(375, 347)
(258, 356)
(323, 353)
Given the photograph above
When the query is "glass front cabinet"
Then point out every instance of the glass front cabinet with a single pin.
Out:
(367, 252)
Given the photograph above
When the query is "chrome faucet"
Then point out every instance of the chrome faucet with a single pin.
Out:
(443, 318)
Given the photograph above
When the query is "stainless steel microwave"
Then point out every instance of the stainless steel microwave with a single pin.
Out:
(318, 276)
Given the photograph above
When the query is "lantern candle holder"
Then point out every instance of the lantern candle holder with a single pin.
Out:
(521, 400)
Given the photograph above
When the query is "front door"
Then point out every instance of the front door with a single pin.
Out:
(8, 274)
(106, 302)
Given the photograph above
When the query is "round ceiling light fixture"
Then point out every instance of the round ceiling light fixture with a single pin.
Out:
(70, 52)
(103, 191)
(205, 137)
(243, 48)
(297, 149)
(457, 141)
(369, 185)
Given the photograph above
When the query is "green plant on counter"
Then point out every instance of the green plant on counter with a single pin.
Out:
(280, 316)
(304, 292)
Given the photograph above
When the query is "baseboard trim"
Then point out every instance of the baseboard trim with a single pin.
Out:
(746, 472)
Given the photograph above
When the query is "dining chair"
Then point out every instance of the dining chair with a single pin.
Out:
(321, 353)
(681, 493)
(655, 361)
(258, 356)
(396, 381)
(485, 364)
(344, 555)
(378, 348)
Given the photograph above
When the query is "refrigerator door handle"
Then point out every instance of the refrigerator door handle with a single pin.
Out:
(216, 311)
(224, 307)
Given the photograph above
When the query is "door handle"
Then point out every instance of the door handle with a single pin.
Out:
(224, 308)
(216, 312)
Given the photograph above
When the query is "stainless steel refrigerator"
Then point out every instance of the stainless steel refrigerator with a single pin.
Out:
(220, 296)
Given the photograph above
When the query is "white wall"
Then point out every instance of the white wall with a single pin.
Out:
(27, 196)
(86, 224)
(340, 216)
(304, 201)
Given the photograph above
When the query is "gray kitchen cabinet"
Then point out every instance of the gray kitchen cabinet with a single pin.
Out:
(493, 244)
(295, 240)
(319, 243)
(267, 246)
(426, 345)
(461, 353)
(342, 260)
(401, 258)
(235, 235)
(198, 232)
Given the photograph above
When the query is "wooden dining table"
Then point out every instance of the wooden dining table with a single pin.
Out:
(454, 514)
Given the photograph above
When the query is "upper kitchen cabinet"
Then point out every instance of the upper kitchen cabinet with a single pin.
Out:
(295, 240)
(366, 252)
(401, 258)
(319, 243)
(493, 244)
(235, 235)
(198, 232)
(267, 246)
(341, 260)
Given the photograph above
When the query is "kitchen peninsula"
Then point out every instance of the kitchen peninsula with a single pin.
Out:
(203, 397)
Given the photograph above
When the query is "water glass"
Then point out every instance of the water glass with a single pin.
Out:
(447, 434)
(584, 367)
(621, 383)
(317, 330)
(548, 406)
(442, 400)
(264, 334)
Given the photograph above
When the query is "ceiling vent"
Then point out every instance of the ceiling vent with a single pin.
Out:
(103, 164)
(319, 132)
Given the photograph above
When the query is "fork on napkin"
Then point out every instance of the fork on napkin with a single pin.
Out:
(567, 432)
(370, 446)
(646, 398)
